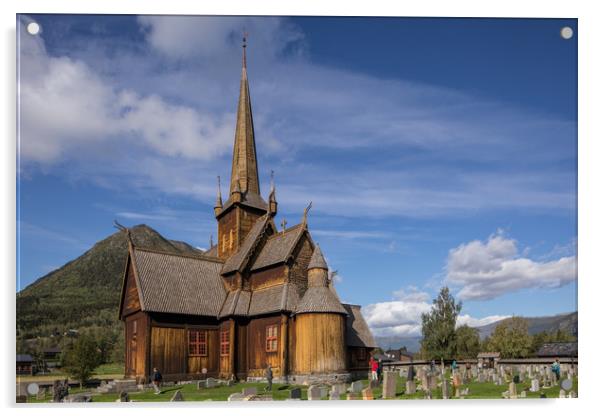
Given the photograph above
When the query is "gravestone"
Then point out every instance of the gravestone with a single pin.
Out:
(373, 384)
(353, 396)
(124, 397)
(356, 387)
(445, 389)
(177, 397)
(523, 394)
(340, 388)
(432, 382)
(535, 385)
(334, 395)
(294, 393)
(42, 393)
(230, 383)
(458, 393)
(367, 394)
(572, 395)
(210, 383)
(236, 397)
(512, 390)
(323, 392)
(313, 393)
(457, 380)
(562, 394)
(247, 391)
(481, 378)
(389, 385)
(410, 387)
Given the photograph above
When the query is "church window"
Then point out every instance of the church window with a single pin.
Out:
(271, 338)
(197, 343)
(224, 342)
(231, 238)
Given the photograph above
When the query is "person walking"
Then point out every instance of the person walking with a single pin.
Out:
(373, 368)
(379, 369)
(157, 379)
(269, 377)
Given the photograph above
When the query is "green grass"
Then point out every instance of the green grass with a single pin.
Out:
(281, 392)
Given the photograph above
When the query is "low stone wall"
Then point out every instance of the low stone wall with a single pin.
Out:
(308, 378)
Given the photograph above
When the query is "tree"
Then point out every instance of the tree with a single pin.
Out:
(468, 342)
(439, 327)
(511, 338)
(82, 358)
(543, 337)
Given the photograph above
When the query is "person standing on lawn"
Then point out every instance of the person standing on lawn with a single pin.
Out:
(556, 369)
(269, 376)
(157, 379)
(373, 368)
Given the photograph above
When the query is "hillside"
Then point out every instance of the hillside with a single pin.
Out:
(85, 292)
(566, 322)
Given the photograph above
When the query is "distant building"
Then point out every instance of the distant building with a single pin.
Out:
(488, 359)
(400, 354)
(25, 364)
(558, 349)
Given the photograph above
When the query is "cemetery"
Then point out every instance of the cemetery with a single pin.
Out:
(513, 382)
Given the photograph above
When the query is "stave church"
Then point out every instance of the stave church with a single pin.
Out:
(260, 296)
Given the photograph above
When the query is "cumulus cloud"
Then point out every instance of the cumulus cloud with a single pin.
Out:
(488, 269)
(67, 109)
(402, 315)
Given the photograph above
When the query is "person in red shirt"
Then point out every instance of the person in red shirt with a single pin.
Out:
(374, 368)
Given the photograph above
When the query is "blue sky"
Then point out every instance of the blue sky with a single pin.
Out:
(435, 151)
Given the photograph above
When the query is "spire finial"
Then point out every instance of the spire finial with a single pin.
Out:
(272, 181)
(219, 192)
(305, 211)
(244, 49)
(211, 241)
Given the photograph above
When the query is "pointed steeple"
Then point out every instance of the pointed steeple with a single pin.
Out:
(244, 157)
(317, 260)
(218, 202)
(273, 205)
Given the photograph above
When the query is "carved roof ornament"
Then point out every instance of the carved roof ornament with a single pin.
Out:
(305, 212)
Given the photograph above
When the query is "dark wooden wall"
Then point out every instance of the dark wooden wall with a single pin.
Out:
(268, 277)
(131, 302)
(298, 269)
(354, 361)
(320, 343)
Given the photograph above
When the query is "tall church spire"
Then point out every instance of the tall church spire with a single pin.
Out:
(244, 157)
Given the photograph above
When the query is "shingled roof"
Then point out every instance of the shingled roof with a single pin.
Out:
(319, 299)
(357, 332)
(278, 247)
(250, 200)
(180, 284)
(317, 260)
(238, 259)
(274, 299)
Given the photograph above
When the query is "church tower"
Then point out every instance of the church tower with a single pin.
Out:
(245, 204)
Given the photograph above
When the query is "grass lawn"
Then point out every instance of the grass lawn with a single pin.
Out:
(103, 372)
(281, 392)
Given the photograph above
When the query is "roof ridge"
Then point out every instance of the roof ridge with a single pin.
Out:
(200, 256)
(293, 228)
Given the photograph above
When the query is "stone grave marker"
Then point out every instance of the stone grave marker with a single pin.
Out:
(323, 392)
(445, 389)
(535, 385)
(389, 385)
(410, 387)
(123, 397)
(210, 383)
(247, 391)
(177, 397)
(373, 384)
(367, 394)
(356, 387)
(512, 390)
(334, 395)
(562, 394)
(294, 393)
(236, 397)
(340, 388)
(313, 393)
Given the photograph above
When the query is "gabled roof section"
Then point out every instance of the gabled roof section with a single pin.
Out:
(319, 299)
(172, 283)
(273, 299)
(357, 332)
(236, 304)
(238, 260)
(279, 247)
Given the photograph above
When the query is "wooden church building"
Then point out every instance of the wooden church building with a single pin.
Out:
(260, 296)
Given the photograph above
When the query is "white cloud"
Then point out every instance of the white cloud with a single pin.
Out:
(66, 109)
(485, 270)
(402, 315)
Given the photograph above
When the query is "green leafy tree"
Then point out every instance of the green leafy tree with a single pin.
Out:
(468, 342)
(543, 337)
(439, 327)
(82, 358)
(511, 338)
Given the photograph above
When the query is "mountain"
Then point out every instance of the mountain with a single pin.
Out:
(85, 292)
(566, 322)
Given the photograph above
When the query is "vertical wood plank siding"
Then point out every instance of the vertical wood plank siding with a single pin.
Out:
(320, 346)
